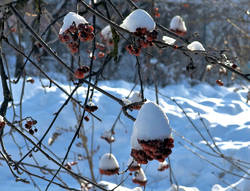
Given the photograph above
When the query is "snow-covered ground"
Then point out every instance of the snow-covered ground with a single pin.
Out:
(224, 110)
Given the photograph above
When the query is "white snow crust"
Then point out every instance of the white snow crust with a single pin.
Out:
(107, 33)
(182, 188)
(138, 19)
(153, 61)
(162, 164)
(1, 118)
(224, 110)
(140, 175)
(134, 140)
(168, 40)
(108, 162)
(111, 186)
(177, 23)
(136, 97)
(151, 123)
(69, 19)
(195, 45)
(243, 185)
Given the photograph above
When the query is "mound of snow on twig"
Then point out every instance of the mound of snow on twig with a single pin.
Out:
(177, 23)
(106, 33)
(108, 161)
(71, 18)
(138, 19)
(152, 123)
(168, 40)
(195, 45)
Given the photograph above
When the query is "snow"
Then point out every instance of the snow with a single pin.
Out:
(111, 186)
(108, 135)
(162, 164)
(134, 140)
(69, 19)
(182, 188)
(195, 45)
(136, 97)
(134, 163)
(138, 19)
(243, 185)
(108, 162)
(153, 61)
(224, 110)
(1, 118)
(152, 123)
(107, 33)
(177, 23)
(168, 40)
(140, 175)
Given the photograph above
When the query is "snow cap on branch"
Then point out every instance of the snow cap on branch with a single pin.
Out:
(151, 123)
(71, 18)
(195, 45)
(108, 162)
(177, 24)
(138, 19)
(106, 33)
(182, 188)
(140, 178)
(168, 40)
(136, 97)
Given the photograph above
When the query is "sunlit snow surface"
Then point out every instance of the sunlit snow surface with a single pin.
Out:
(224, 111)
(71, 18)
(138, 19)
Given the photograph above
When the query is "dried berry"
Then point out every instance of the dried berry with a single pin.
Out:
(101, 54)
(86, 118)
(219, 82)
(31, 131)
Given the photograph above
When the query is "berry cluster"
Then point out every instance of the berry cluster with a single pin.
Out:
(144, 40)
(136, 106)
(79, 73)
(140, 156)
(29, 124)
(153, 149)
(156, 12)
(82, 32)
(68, 165)
(109, 171)
(90, 107)
(158, 149)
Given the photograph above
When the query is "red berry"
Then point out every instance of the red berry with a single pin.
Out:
(79, 74)
(86, 118)
(101, 54)
(219, 82)
(31, 131)
(100, 46)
